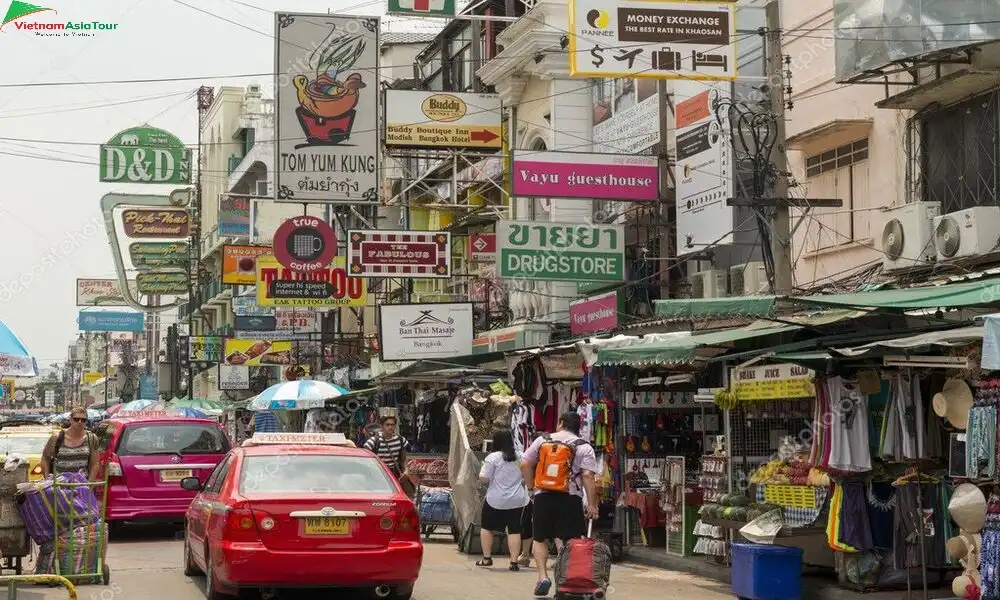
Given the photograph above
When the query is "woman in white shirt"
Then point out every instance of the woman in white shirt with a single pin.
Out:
(506, 498)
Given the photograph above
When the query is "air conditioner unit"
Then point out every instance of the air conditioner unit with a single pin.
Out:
(749, 279)
(708, 284)
(263, 189)
(968, 232)
(253, 89)
(908, 235)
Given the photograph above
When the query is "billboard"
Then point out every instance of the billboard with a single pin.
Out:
(871, 34)
(329, 288)
(418, 119)
(254, 353)
(239, 264)
(326, 109)
(409, 254)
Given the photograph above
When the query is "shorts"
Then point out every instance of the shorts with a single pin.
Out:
(526, 521)
(501, 520)
(558, 516)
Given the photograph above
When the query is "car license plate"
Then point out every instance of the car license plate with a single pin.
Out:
(327, 526)
(171, 475)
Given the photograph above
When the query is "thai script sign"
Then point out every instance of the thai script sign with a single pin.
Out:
(560, 251)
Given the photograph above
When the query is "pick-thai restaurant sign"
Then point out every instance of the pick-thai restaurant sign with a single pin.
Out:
(560, 251)
(326, 288)
(590, 315)
(410, 254)
(773, 382)
(422, 331)
(154, 223)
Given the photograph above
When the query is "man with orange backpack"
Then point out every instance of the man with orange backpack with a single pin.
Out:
(558, 468)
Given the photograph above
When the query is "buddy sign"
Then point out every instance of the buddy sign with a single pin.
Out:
(145, 155)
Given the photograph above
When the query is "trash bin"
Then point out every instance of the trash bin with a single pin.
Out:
(762, 572)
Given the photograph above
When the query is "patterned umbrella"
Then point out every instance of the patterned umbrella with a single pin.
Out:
(133, 406)
(15, 361)
(302, 394)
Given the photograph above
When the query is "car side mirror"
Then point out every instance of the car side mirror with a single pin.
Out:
(192, 484)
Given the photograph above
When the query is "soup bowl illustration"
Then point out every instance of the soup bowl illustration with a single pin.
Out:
(327, 107)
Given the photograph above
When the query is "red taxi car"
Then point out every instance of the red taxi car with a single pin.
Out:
(302, 510)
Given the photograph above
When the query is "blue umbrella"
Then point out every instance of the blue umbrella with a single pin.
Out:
(188, 412)
(302, 394)
(133, 406)
(15, 361)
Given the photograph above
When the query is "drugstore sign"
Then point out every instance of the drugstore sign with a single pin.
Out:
(773, 382)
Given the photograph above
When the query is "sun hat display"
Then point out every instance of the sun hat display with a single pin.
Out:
(953, 402)
(968, 508)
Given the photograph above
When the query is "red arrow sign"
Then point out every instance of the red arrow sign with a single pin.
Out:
(484, 136)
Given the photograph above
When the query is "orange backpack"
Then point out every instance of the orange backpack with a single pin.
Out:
(554, 471)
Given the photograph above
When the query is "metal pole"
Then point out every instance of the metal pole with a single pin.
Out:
(782, 238)
(107, 367)
(666, 191)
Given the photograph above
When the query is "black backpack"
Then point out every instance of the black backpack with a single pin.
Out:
(61, 439)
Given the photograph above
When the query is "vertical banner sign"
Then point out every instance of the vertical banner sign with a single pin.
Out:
(408, 254)
(326, 109)
(703, 170)
(560, 251)
(234, 216)
(145, 155)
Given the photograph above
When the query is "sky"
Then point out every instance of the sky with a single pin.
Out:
(49, 134)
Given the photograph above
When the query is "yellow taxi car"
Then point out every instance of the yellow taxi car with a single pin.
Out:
(27, 440)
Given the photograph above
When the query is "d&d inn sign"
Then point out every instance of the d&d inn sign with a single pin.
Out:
(145, 155)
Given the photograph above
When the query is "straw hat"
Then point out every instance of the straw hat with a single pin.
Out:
(968, 508)
(953, 403)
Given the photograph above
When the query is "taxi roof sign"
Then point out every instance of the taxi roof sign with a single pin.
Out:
(312, 439)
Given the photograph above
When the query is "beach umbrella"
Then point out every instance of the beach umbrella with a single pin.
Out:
(302, 394)
(133, 406)
(15, 360)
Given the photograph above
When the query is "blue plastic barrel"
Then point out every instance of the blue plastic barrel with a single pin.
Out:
(762, 572)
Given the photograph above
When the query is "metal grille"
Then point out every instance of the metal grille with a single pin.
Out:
(673, 484)
(756, 432)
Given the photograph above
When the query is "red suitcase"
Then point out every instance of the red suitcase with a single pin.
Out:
(583, 568)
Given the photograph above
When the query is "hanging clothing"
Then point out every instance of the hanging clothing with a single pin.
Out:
(989, 557)
(912, 522)
(522, 426)
(881, 513)
(855, 530)
(849, 449)
(586, 414)
(981, 442)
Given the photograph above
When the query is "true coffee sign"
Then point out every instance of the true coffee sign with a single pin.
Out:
(153, 223)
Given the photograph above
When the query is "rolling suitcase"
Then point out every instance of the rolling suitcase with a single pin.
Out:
(583, 568)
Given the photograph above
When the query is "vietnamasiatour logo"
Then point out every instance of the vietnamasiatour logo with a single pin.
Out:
(45, 22)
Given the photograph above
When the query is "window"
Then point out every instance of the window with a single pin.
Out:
(303, 473)
(218, 477)
(140, 440)
(104, 432)
(838, 158)
(23, 445)
(839, 173)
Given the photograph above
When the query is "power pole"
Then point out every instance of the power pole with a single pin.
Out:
(782, 237)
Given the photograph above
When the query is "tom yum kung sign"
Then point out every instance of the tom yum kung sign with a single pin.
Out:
(412, 254)
(152, 223)
(560, 251)
(773, 382)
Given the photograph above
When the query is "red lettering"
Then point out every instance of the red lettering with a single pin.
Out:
(339, 281)
(355, 287)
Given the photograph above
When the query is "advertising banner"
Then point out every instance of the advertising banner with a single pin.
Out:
(409, 254)
(148, 387)
(590, 315)
(704, 169)
(239, 264)
(418, 119)
(255, 323)
(234, 378)
(246, 306)
(483, 247)
(585, 176)
(92, 377)
(146, 255)
(626, 116)
(205, 349)
(659, 39)
(234, 216)
(100, 292)
(329, 288)
(326, 107)
(7, 388)
(162, 283)
(773, 382)
(421, 331)
(421, 8)
(560, 251)
(112, 321)
(156, 223)
(253, 353)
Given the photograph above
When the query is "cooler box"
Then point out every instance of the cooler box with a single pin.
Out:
(762, 572)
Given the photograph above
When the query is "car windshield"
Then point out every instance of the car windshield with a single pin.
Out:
(314, 473)
(23, 444)
(171, 438)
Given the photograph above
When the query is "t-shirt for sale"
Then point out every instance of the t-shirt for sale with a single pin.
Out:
(506, 488)
(584, 460)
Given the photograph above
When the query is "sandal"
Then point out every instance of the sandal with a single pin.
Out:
(514, 566)
(524, 562)
(484, 562)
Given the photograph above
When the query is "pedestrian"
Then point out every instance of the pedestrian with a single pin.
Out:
(558, 468)
(73, 449)
(389, 446)
(505, 499)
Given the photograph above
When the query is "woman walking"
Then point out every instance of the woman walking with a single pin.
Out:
(506, 498)
(72, 450)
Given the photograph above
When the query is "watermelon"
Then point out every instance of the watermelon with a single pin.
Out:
(741, 501)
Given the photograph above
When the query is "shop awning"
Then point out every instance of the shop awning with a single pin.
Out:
(685, 350)
(951, 295)
(755, 307)
(953, 337)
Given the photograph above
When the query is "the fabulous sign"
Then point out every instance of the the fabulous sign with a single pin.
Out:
(411, 254)
(560, 251)
(145, 155)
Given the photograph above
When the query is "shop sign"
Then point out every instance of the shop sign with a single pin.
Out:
(146, 255)
(483, 247)
(599, 313)
(255, 353)
(327, 79)
(234, 216)
(295, 319)
(234, 378)
(145, 155)
(153, 223)
(773, 382)
(305, 244)
(434, 470)
(100, 292)
(417, 119)
(239, 264)
(560, 251)
(112, 321)
(663, 39)
(92, 377)
(7, 387)
(407, 254)
(246, 306)
(329, 288)
(422, 331)
(205, 349)
(421, 8)
(156, 284)
(585, 176)
(255, 323)
(148, 387)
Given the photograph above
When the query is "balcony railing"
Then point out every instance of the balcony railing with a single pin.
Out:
(234, 163)
(224, 331)
(211, 289)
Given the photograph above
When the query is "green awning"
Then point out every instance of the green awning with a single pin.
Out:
(952, 295)
(715, 308)
(684, 350)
